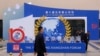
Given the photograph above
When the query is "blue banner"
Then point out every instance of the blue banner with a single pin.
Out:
(50, 46)
(92, 16)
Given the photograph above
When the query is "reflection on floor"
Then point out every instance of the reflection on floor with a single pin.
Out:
(93, 50)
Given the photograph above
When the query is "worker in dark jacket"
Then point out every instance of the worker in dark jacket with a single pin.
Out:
(84, 38)
(39, 46)
(87, 38)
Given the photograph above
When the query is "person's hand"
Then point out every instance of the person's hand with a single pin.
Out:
(34, 53)
(45, 54)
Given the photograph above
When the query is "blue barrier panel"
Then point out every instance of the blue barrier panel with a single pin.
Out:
(50, 46)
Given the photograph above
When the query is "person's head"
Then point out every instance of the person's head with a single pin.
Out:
(40, 29)
(88, 33)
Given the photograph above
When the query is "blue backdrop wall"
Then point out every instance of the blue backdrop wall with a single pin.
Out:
(92, 16)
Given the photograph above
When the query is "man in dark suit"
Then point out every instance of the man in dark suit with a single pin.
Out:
(87, 38)
(84, 38)
(39, 46)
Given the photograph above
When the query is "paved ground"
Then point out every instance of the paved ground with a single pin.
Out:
(93, 50)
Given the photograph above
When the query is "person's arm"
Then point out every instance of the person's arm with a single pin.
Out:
(35, 49)
(36, 44)
(43, 44)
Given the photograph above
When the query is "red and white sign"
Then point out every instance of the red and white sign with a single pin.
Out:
(16, 47)
(21, 35)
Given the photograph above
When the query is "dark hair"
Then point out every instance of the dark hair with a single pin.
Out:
(39, 29)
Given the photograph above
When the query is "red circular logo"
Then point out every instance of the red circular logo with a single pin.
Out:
(21, 38)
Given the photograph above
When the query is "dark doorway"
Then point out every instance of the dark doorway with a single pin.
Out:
(77, 25)
(1, 28)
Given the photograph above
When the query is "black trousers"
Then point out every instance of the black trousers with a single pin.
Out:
(40, 54)
(86, 42)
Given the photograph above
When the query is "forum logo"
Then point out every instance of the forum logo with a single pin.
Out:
(55, 29)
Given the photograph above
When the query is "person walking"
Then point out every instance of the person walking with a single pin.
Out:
(39, 45)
